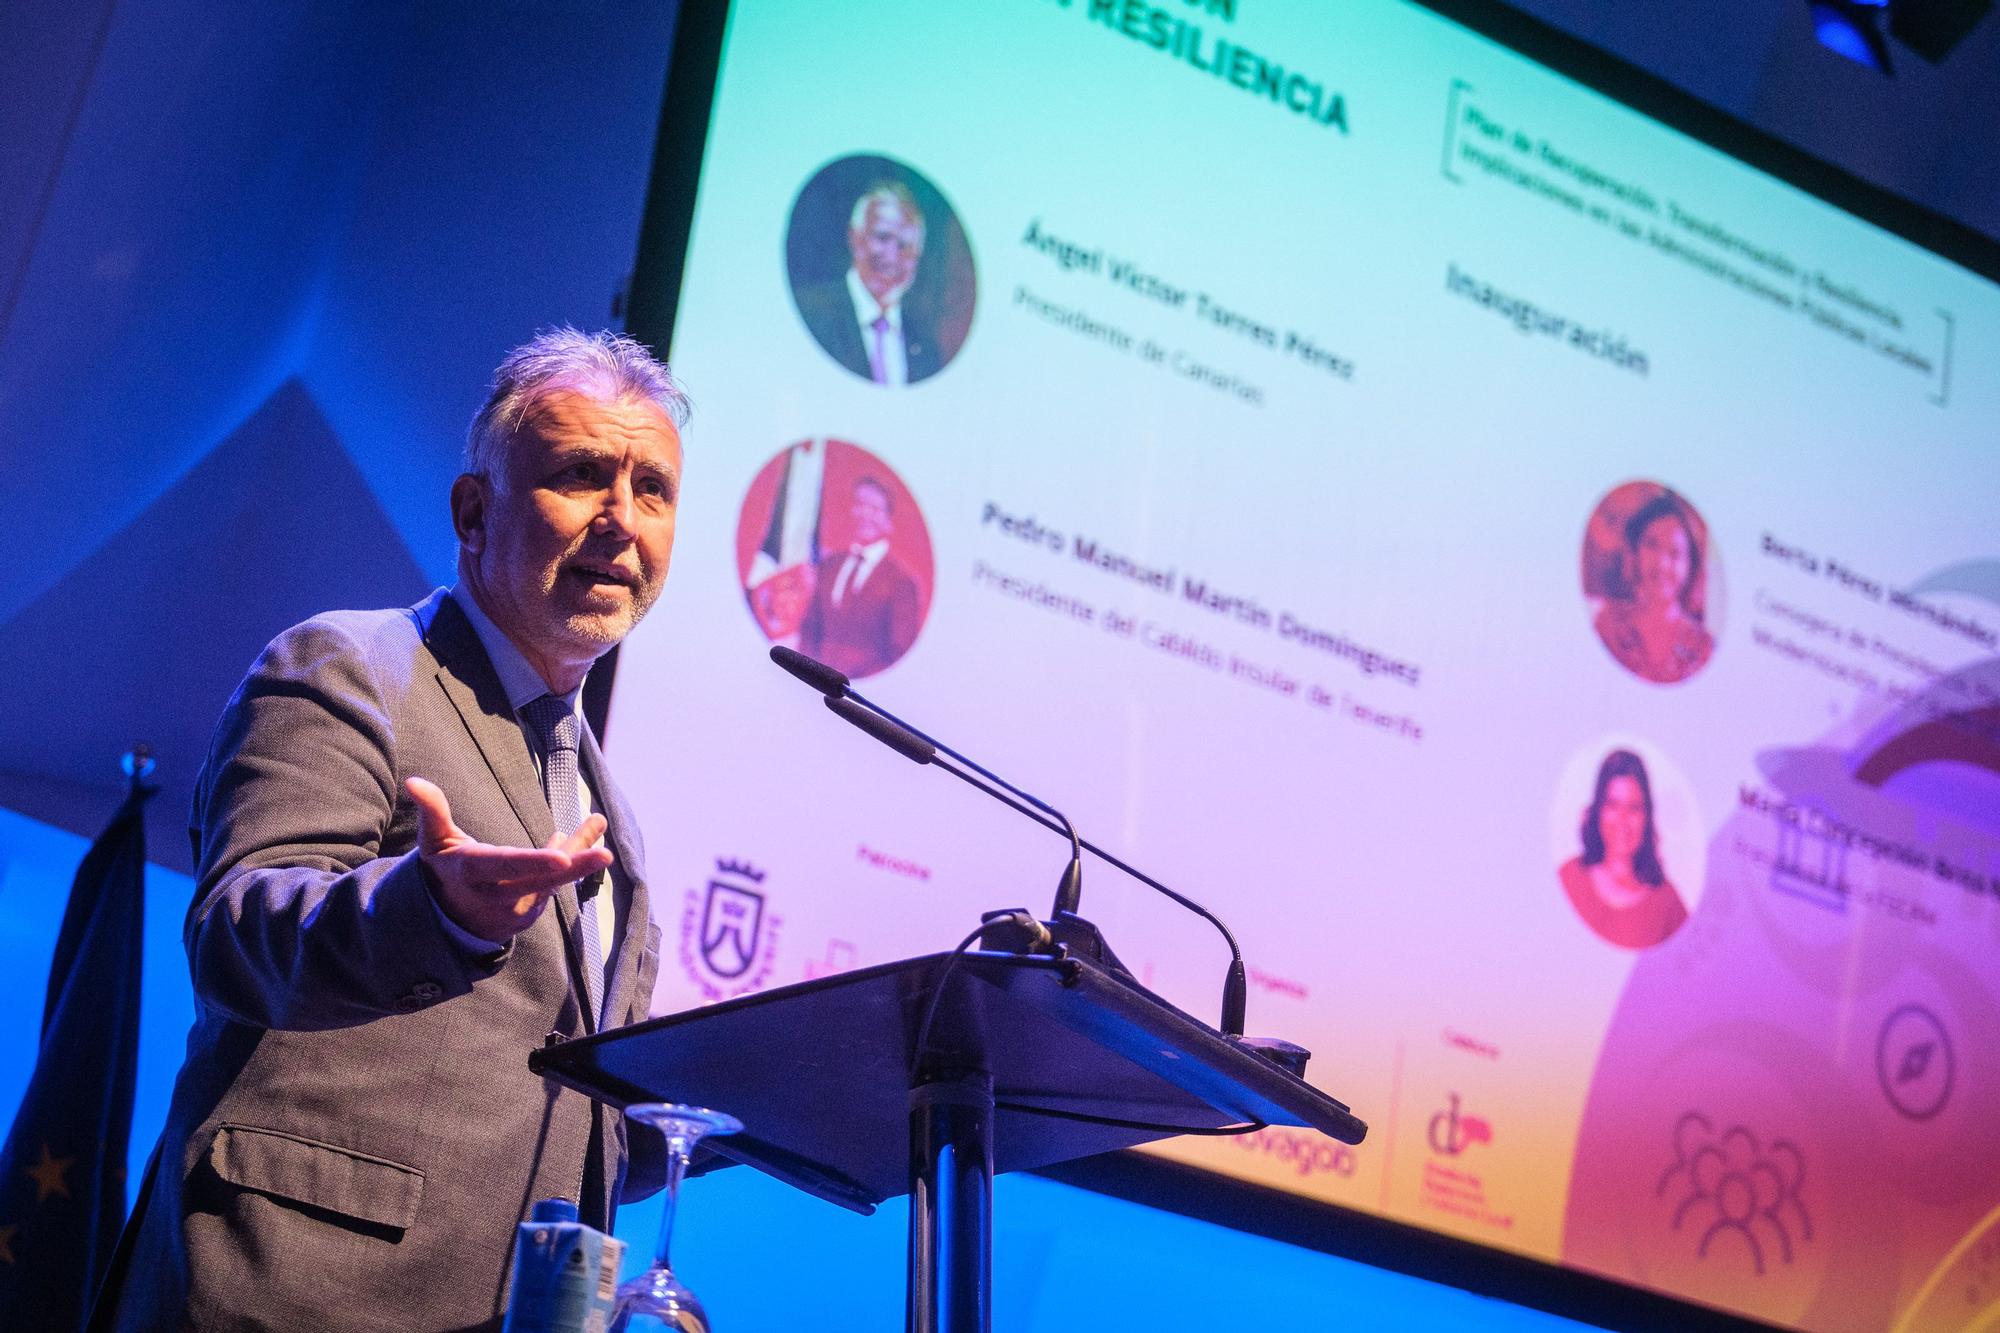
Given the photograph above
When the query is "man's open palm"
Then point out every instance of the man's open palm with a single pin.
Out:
(495, 892)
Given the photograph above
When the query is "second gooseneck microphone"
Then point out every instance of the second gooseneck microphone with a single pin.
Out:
(914, 745)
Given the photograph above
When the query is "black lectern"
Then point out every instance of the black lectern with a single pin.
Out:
(1029, 1061)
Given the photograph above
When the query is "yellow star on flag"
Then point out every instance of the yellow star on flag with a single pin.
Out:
(7, 1244)
(48, 1174)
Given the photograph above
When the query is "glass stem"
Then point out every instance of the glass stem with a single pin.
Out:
(679, 1148)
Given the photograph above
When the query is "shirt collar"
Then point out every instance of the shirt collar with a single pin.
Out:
(866, 560)
(866, 307)
(522, 682)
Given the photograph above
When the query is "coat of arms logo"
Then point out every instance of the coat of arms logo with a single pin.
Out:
(729, 936)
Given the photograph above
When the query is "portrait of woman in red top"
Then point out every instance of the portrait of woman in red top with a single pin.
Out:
(1616, 883)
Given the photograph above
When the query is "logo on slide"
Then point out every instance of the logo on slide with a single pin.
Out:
(1306, 1152)
(1731, 1187)
(1914, 1062)
(729, 940)
(841, 956)
(1810, 862)
(1452, 1132)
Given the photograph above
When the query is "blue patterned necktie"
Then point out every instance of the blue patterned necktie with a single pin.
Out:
(555, 727)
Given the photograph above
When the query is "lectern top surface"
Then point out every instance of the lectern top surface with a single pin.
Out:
(820, 1072)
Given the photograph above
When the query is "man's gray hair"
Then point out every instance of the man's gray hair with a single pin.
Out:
(885, 192)
(606, 365)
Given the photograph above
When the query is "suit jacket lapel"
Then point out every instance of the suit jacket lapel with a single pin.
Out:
(468, 679)
(474, 689)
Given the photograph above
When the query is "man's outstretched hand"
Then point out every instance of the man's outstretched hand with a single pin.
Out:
(497, 892)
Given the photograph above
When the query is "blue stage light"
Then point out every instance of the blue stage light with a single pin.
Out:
(1853, 28)
(1860, 29)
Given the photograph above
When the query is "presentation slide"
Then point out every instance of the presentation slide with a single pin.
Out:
(1532, 574)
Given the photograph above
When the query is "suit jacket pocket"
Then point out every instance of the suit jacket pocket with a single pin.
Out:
(319, 1175)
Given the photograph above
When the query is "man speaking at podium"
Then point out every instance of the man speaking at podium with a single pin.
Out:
(413, 867)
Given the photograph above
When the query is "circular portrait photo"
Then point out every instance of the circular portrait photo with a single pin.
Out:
(835, 557)
(1628, 843)
(1651, 582)
(880, 269)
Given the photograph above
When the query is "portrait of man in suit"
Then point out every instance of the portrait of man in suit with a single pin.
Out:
(414, 866)
(834, 555)
(866, 609)
(880, 271)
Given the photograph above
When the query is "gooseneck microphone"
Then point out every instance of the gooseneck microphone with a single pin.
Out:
(898, 738)
(917, 747)
(841, 698)
(831, 683)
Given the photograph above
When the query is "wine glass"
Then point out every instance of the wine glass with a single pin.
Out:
(655, 1301)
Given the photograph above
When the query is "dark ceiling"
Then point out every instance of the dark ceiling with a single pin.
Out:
(1930, 134)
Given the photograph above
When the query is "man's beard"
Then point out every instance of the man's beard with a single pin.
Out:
(602, 629)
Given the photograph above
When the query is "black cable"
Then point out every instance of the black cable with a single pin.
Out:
(923, 1048)
(1247, 1127)
(937, 994)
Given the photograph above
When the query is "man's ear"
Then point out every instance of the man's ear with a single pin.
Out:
(468, 512)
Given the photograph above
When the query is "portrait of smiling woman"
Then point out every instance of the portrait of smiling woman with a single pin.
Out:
(1645, 564)
(1617, 883)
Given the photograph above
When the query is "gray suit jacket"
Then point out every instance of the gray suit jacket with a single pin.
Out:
(355, 1132)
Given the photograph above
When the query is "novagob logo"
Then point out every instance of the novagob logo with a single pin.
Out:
(1306, 1152)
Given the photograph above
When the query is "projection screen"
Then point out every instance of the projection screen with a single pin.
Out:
(1530, 571)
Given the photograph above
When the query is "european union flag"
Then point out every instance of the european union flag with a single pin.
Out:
(62, 1172)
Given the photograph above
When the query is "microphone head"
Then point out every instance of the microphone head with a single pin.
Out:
(1236, 1000)
(886, 730)
(812, 671)
(1069, 890)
